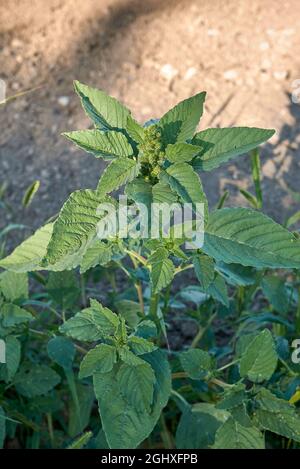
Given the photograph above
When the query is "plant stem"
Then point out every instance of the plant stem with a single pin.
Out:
(50, 428)
(154, 304)
(202, 331)
(138, 286)
(228, 365)
(82, 288)
(218, 382)
(165, 434)
(72, 385)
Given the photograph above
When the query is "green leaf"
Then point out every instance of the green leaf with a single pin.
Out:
(63, 288)
(162, 269)
(2, 427)
(78, 421)
(247, 237)
(35, 380)
(135, 130)
(12, 315)
(196, 363)
(28, 256)
(259, 360)
(186, 183)
(74, 229)
(107, 145)
(91, 324)
(100, 359)
(218, 290)
(14, 286)
(198, 425)
(233, 397)
(181, 152)
(13, 357)
(137, 384)
(106, 112)
(81, 441)
(30, 193)
(236, 274)
(277, 415)
(276, 292)
(99, 253)
(180, 123)
(204, 269)
(61, 351)
(130, 311)
(118, 173)
(139, 346)
(232, 435)
(221, 145)
(124, 425)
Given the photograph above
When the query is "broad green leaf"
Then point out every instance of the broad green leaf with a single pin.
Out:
(137, 384)
(28, 256)
(218, 290)
(277, 415)
(124, 425)
(162, 269)
(162, 193)
(247, 237)
(139, 346)
(75, 228)
(14, 286)
(106, 112)
(197, 363)
(276, 292)
(100, 359)
(236, 274)
(61, 351)
(107, 145)
(13, 357)
(2, 427)
(204, 269)
(35, 380)
(198, 425)
(221, 145)
(186, 183)
(135, 130)
(232, 435)
(181, 152)
(99, 253)
(63, 288)
(118, 173)
(91, 324)
(233, 397)
(180, 123)
(259, 360)
(130, 311)
(12, 315)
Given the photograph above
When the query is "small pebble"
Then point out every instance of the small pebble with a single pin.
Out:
(230, 75)
(63, 101)
(168, 71)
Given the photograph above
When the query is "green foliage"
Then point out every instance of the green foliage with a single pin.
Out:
(228, 381)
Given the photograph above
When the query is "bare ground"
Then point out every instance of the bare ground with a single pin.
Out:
(149, 54)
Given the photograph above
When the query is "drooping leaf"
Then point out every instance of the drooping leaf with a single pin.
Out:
(91, 324)
(124, 425)
(247, 237)
(198, 425)
(63, 288)
(162, 269)
(14, 286)
(259, 360)
(197, 363)
(118, 173)
(62, 351)
(221, 145)
(35, 380)
(107, 145)
(100, 359)
(276, 292)
(180, 123)
(232, 435)
(277, 415)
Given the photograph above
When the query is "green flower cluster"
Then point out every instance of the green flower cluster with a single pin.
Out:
(150, 152)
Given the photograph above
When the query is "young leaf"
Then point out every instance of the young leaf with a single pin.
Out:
(118, 173)
(36, 380)
(12, 315)
(93, 323)
(162, 269)
(107, 145)
(221, 145)
(100, 359)
(106, 112)
(139, 346)
(180, 123)
(259, 360)
(124, 425)
(14, 286)
(247, 237)
(277, 415)
(62, 352)
(232, 435)
(197, 363)
(181, 152)
(198, 425)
